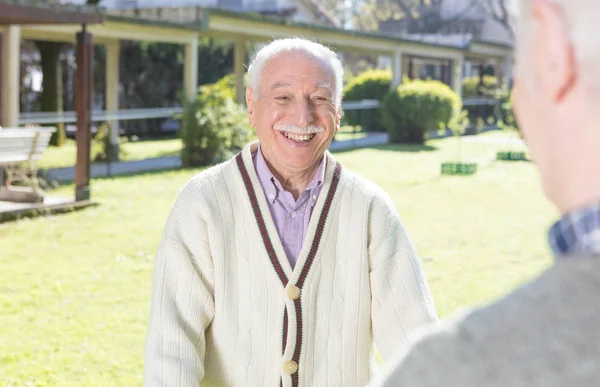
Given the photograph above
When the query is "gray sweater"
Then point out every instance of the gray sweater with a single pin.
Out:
(545, 333)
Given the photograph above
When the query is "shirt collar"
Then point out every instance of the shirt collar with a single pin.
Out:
(319, 176)
(270, 183)
(265, 176)
(576, 232)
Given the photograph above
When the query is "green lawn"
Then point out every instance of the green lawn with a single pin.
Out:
(66, 155)
(75, 288)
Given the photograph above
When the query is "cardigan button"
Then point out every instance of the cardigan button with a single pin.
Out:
(293, 292)
(290, 367)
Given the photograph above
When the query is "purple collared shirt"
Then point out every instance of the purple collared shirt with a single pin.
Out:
(291, 216)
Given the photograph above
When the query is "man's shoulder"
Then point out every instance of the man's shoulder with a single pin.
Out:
(517, 340)
(208, 182)
(362, 186)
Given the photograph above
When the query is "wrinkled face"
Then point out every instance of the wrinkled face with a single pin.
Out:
(295, 114)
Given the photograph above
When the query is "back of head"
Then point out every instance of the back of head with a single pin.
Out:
(557, 96)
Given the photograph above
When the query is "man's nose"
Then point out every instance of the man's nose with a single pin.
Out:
(304, 114)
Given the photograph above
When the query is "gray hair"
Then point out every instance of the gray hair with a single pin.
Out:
(295, 45)
(582, 21)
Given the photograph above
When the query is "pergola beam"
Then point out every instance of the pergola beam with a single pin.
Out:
(22, 13)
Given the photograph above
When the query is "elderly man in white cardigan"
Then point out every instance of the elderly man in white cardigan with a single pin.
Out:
(279, 266)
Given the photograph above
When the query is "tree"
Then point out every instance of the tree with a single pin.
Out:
(499, 11)
(425, 16)
(420, 16)
(52, 81)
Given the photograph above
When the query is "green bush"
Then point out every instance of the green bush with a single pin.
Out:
(507, 115)
(102, 149)
(372, 84)
(471, 89)
(213, 125)
(418, 106)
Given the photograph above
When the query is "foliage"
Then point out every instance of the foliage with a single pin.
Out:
(475, 86)
(418, 106)
(220, 90)
(213, 125)
(507, 118)
(102, 149)
(372, 84)
(508, 115)
(458, 125)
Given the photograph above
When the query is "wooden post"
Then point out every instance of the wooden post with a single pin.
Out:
(83, 105)
(11, 53)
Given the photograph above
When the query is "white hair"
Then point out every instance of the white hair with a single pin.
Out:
(582, 21)
(295, 45)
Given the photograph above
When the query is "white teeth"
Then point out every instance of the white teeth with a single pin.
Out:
(298, 138)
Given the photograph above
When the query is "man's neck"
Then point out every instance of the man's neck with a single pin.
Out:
(295, 181)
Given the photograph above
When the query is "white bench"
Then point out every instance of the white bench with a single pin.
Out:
(20, 150)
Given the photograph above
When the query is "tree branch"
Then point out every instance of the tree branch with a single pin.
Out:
(405, 8)
(460, 14)
(498, 11)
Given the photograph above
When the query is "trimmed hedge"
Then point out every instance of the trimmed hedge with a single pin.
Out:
(416, 107)
(372, 84)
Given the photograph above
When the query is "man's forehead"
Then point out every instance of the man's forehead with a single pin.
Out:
(292, 81)
(286, 80)
(291, 70)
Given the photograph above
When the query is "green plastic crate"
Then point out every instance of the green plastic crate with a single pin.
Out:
(511, 156)
(459, 168)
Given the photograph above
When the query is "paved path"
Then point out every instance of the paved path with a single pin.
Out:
(173, 162)
(371, 140)
(119, 168)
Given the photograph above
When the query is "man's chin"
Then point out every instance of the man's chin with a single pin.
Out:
(300, 161)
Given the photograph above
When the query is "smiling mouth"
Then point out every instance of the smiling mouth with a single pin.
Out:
(298, 137)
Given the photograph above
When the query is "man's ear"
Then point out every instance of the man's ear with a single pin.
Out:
(555, 56)
(250, 105)
(338, 118)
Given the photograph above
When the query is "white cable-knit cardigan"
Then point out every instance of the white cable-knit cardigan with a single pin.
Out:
(228, 310)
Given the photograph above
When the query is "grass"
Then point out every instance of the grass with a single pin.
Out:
(66, 155)
(75, 288)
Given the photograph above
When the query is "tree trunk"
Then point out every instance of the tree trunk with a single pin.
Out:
(52, 86)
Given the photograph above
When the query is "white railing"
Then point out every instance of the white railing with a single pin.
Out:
(479, 101)
(99, 115)
(361, 105)
(70, 117)
(168, 112)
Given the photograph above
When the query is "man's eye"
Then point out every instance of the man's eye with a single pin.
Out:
(283, 97)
